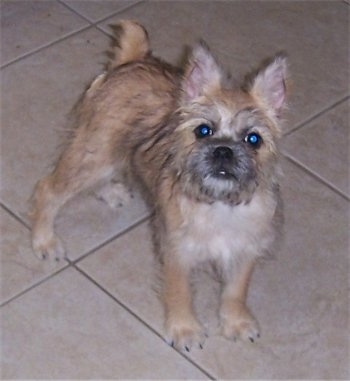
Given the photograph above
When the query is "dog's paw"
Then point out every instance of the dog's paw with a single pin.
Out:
(48, 248)
(237, 322)
(115, 195)
(185, 334)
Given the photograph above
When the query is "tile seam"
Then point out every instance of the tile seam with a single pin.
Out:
(316, 176)
(14, 215)
(119, 11)
(91, 24)
(121, 233)
(36, 284)
(139, 319)
(77, 13)
(70, 262)
(318, 114)
(103, 18)
(45, 46)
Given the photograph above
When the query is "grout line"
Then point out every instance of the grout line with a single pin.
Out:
(69, 262)
(119, 11)
(62, 38)
(71, 34)
(45, 279)
(140, 320)
(63, 3)
(109, 240)
(45, 46)
(14, 215)
(102, 19)
(316, 176)
(317, 115)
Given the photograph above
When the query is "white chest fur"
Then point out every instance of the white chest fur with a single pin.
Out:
(225, 233)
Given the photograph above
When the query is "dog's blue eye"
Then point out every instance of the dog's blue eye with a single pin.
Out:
(203, 131)
(253, 139)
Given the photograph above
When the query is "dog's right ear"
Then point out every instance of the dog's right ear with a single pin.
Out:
(201, 73)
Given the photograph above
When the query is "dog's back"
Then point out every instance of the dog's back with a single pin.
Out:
(140, 85)
(124, 111)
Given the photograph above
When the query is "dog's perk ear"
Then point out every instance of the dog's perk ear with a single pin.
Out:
(269, 85)
(202, 72)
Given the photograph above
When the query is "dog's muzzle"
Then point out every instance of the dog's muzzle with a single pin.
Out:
(223, 161)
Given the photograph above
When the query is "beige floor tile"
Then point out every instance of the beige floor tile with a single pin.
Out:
(33, 121)
(251, 32)
(323, 146)
(28, 25)
(86, 222)
(300, 298)
(20, 269)
(98, 9)
(67, 328)
(128, 269)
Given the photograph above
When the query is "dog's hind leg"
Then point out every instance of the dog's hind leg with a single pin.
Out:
(77, 169)
(114, 193)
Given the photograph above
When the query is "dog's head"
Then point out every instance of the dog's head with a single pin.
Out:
(227, 135)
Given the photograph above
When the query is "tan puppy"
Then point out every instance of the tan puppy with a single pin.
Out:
(205, 155)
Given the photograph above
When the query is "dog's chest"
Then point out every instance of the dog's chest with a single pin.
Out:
(222, 232)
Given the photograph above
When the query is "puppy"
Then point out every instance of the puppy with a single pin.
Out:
(204, 152)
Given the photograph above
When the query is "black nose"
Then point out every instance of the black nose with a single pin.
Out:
(223, 153)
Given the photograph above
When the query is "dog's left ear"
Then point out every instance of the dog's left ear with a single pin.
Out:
(269, 85)
(202, 73)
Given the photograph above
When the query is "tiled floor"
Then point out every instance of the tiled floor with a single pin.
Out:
(98, 315)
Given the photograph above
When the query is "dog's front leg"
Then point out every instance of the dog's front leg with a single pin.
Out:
(182, 328)
(236, 319)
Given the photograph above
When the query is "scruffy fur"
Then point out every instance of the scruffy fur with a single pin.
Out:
(204, 152)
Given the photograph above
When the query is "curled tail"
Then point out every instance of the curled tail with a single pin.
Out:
(130, 43)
